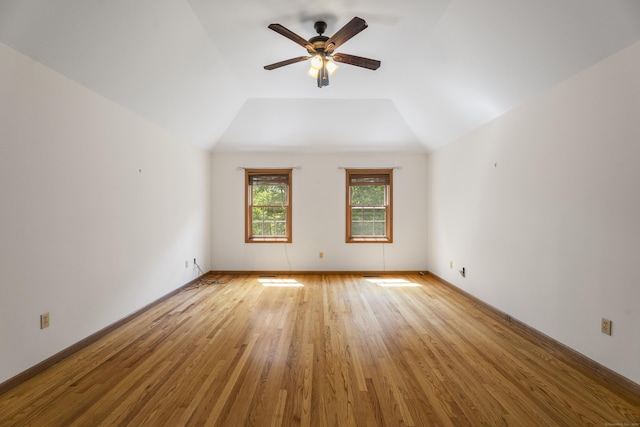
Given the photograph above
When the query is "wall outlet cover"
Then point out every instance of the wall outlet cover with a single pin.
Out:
(44, 320)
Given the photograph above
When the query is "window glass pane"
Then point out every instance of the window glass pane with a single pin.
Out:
(367, 214)
(269, 195)
(380, 214)
(367, 229)
(379, 229)
(356, 228)
(256, 228)
(368, 195)
(356, 214)
(279, 214)
(269, 222)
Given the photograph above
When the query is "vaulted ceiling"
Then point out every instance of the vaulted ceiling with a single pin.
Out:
(195, 67)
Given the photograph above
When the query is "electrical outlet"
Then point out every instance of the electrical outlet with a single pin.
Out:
(44, 320)
(605, 327)
(186, 264)
(321, 254)
(450, 264)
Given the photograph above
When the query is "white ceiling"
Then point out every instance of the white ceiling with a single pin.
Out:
(195, 66)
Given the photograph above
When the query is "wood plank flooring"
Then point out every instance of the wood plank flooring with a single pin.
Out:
(325, 350)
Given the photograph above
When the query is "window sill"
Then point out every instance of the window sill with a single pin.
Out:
(268, 240)
(369, 240)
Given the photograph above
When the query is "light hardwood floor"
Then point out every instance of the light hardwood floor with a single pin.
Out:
(335, 350)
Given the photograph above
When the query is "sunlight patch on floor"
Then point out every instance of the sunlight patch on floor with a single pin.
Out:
(283, 283)
(393, 283)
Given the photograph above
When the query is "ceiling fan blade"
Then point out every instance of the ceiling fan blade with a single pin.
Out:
(292, 36)
(345, 33)
(358, 61)
(286, 62)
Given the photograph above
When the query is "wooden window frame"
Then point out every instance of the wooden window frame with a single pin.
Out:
(388, 238)
(248, 217)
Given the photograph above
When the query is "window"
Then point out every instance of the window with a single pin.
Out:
(268, 205)
(369, 205)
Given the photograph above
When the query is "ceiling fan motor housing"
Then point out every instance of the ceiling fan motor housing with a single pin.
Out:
(319, 41)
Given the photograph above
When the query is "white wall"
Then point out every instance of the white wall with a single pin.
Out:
(318, 203)
(99, 210)
(551, 235)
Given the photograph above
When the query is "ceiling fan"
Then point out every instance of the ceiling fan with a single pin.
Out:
(321, 50)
